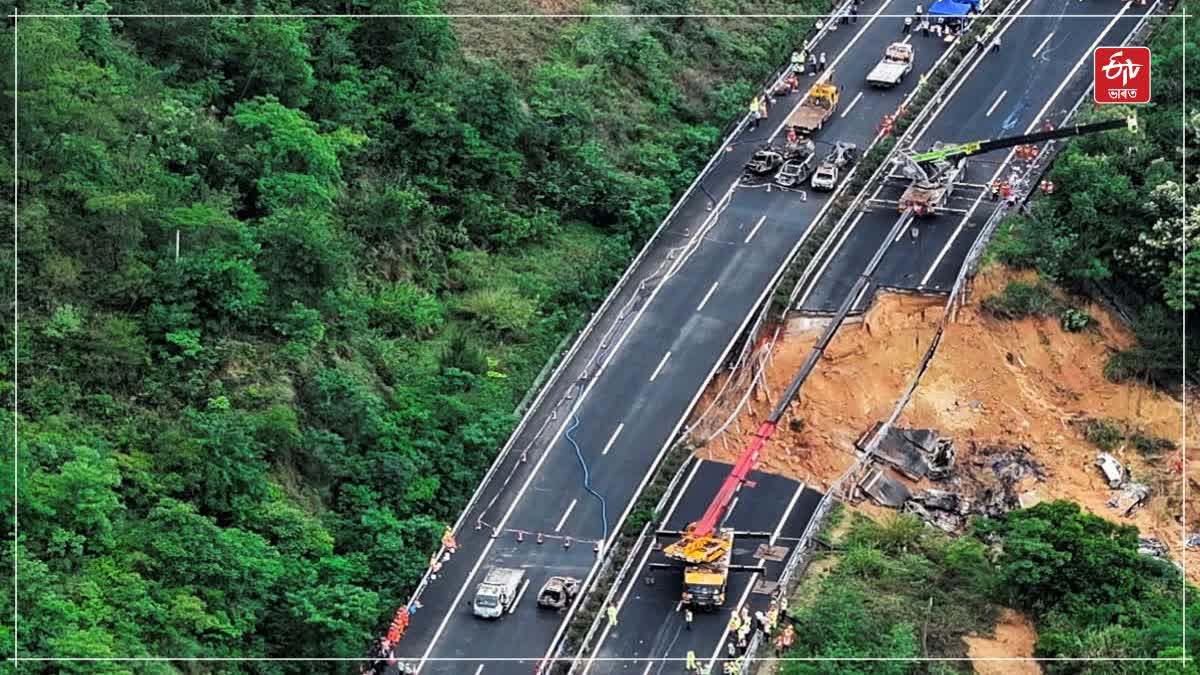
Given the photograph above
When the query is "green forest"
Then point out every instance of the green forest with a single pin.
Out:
(284, 283)
(1116, 218)
(384, 230)
(899, 589)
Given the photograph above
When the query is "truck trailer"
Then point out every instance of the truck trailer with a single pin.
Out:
(897, 61)
(816, 109)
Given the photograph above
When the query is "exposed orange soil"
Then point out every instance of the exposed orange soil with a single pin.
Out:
(992, 382)
(1013, 637)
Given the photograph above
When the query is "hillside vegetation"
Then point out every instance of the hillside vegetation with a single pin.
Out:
(898, 589)
(1116, 219)
(250, 446)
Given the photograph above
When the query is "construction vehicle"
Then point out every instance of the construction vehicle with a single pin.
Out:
(816, 109)
(827, 174)
(704, 583)
(897, 61)
(935, 173)
(558, 592)
(797, 162)
(498, 592)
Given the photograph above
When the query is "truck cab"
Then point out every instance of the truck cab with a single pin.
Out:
(704, 586)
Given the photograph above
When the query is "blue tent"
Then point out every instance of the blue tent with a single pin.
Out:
(949, 8)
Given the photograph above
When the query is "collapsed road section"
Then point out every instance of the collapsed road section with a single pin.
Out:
(565, 482)
(704, 541)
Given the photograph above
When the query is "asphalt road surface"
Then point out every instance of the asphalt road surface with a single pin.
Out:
(1043, 66)
(651, 636)
(637, 392)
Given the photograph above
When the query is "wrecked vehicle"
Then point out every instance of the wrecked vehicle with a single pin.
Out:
(792, 173)
(1130, 499)
(1114, 473)
(765, 160)
(558, 592)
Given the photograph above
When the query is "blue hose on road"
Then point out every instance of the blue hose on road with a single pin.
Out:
(587, 476)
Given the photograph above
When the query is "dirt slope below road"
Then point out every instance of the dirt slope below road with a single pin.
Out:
(1014, 637)
(992, 382)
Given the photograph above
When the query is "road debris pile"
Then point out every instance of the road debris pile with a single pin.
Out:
(991, 483)
(993, 383)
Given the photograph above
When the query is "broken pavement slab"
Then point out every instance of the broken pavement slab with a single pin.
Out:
(883, 486)
(914, 452)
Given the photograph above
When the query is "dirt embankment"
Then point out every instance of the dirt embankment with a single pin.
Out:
(1013, 638)
(992, 383)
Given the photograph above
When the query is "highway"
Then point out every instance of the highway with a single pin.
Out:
(651, 636)
(662, 342)
(1019, 96)
(1042, 68)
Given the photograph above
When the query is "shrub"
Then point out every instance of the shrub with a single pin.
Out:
(1074, 320)
(1150, 446)
(405, 308)
(1104, 434)
(1021, 300)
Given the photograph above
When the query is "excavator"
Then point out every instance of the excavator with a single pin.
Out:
(935, 173)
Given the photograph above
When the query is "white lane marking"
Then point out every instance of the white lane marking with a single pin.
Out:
(860, 295)
(787, 512)
(998, 99)
(641, 566)
(851, 106)
(479, 669)
(649, 665)
(761, 563)
(829, 258)
(980, 58)
(566, 514)
(1039, 47)
(520, 594)
(755, 230)
(906, 39)
(829, 69)
(707, 296)
(1036, 121)
(732, 506)
(660, 366)
(613, 439)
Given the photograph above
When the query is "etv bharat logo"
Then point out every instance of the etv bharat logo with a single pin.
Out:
(1122, 75)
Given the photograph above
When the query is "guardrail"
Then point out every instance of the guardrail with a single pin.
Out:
(850, 477)
(586, 331)
(825, 505)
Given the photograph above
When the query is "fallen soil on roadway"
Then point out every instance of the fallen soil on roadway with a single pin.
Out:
(992, 382)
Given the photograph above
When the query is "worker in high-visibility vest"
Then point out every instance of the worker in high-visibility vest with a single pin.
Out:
(691, 660)
(612, 616)
(735, 622)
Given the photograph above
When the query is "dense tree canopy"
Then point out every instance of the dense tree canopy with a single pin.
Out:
(249, 445)
(1117, 216)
